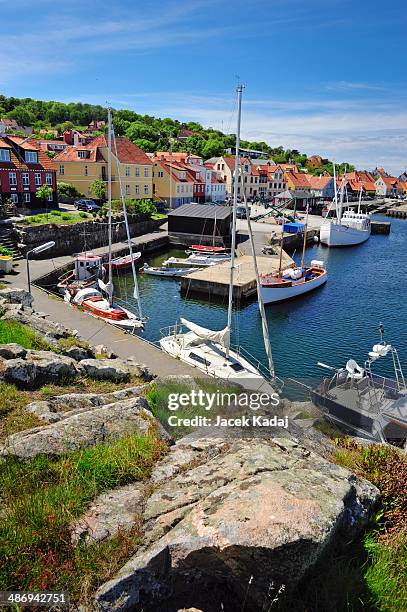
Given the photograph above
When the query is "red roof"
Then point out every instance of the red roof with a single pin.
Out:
(298, 179)
(318, 182)
(390, 181)
(17, 158)
(127, 152)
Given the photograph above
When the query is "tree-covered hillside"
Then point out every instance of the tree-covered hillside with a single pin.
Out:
(149, 133)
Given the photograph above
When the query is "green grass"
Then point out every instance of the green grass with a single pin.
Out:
(70, 341)
(157, 397)
(156, 216)
(41, 499)
(56, 217)
(13, 331)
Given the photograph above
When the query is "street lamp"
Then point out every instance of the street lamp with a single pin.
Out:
(38, 249)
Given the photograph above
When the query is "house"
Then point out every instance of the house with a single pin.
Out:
(363, 179)
(276, 180)
(403, 187)
(73, 137)
(173, 183)
(322, 187)
(301, 199)
(403, 177)
(52, 146)
(11, 125)
(297, 181)
(315, 161)
(81, 165)
(200, 224)
(388, 187)
(24, 167)
(96, 126)
(380, 172)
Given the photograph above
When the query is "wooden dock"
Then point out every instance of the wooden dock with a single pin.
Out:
(398, 211)
(214, 280)
(380, 227)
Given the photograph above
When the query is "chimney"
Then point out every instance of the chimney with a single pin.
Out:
(75, 139)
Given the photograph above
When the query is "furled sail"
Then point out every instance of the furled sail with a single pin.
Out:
(221, 337)
(106, 287)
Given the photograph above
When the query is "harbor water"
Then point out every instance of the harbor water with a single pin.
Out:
(367, 284)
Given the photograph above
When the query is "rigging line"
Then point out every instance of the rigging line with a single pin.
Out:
(130, 245)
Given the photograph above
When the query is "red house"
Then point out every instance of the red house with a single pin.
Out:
(24, 167)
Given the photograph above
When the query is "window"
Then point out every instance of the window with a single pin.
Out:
(50, 197)
(13, 179)
(31, 157)
(27, 197)
(26, 179)
(83, 154)
(127, 170)
(137, 189)
(127, 189)
(4, 155)
(137, 171)
(14, 198)
(48, 179)
(177, 188)
(146, 189)
(61, 169)
(37, 179)
(85, 170)
(146, 172)
(160, 174)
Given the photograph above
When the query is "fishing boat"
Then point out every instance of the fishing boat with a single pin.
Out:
(124, 263)
(364, 403)
(295, 280)
(211, 351)
(100, 303)
(167, 271)
(93, 302)
(348, 228)
(87, 269)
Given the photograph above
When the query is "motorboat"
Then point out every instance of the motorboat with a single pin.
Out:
(292, 282)
(364, 403)
(124, 263)
(167, 272)
(93, 302)
(87, 269)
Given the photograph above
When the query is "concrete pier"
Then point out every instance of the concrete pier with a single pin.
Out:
(399, 212)
(214, 280)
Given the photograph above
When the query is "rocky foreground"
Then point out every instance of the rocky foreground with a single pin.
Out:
(225, 521)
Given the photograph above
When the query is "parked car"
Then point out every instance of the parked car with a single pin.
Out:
(86, 205)
(241, 212)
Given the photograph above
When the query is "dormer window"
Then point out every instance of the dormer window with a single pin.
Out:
(4, 155)
(83, 154)
(31, 157)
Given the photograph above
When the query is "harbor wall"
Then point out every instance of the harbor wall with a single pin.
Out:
(74, 238)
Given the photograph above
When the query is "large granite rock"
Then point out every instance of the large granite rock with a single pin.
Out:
(117, 370)
(113, 511)
(235, 513)
(68, 404)
(16, 296)
(39, 368)
(84, 429)
(12, 351)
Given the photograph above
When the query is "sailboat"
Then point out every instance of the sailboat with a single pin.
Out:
(100, 304)
(348, 228)
(295, 280)
(211, 351)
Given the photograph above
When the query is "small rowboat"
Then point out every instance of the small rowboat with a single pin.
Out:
(167, 272)
(209, 250)
(121, 263)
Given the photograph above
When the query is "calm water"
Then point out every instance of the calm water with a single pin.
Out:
(367, 284)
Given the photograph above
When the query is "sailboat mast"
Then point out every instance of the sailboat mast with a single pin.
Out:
(264, 325)
(235, 189)
(109, 196)
(335, 191)
(342, 195)
(136, 292)
(304, 244)
(360, 199)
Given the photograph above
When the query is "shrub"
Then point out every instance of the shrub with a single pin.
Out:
(5, 251)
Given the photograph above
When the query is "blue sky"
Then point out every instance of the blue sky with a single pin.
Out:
(322, 76)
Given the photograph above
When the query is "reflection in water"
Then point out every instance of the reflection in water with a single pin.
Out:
(366, 284)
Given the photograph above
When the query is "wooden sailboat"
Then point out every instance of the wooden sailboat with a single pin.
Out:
(100, 304)
(294, 281)
(211, 351)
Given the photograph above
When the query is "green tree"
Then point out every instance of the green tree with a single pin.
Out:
(67, 190)
(43, 194)
(98, 189)
(213, 148)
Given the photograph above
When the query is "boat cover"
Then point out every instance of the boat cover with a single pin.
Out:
(222, 336)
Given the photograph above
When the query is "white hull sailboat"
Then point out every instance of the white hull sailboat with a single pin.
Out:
(347, 229)
(167, 272)
(295, 280)
(100, 304)
(211, 351)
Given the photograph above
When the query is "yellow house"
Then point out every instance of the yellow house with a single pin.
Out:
(173, 184)
(81, 165)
